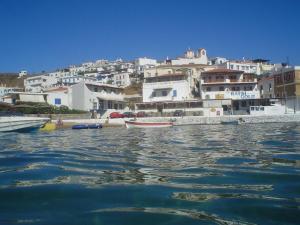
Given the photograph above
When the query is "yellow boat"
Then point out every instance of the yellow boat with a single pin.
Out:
(48, 127)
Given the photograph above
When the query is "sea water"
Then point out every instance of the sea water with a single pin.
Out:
(218, 174)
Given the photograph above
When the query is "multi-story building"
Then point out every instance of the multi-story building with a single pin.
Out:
(144, 63)
(168, 87)
(234, 85)
(175, 90)
(256, 66)
(266, 86)
(287, 87)
(287, 82)
(89, 96)
(71, 80)
(39, 83)
(122, 79)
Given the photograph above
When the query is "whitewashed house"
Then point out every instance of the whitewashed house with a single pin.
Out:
(39, 83)
(143, 63)
(90, 96)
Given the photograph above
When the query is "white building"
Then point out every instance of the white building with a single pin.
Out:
(122, 79)
(23, 73)
(238, 87)
(173, 87)
(89, 96)
(71, 80)
(143, 63)
(190, 57)
(246, 66)
(217, 60)
(7, 90)
(61, 96)
(257, 66)
(39, 83)
(228, 84)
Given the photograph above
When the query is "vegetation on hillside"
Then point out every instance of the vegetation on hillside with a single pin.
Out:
(38, 108)
(11, 80)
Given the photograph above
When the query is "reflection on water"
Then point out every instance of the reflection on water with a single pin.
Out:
(205, 174)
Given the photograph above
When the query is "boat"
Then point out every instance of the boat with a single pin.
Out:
(141, 124)
(48, 127)
(87, 126)
(21, 123)
(230, 122)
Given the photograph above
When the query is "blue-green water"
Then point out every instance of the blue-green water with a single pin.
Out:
(247, 174)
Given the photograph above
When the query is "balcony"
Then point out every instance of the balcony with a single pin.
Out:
(228, 81)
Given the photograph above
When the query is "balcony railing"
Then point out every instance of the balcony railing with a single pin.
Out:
(229, 81)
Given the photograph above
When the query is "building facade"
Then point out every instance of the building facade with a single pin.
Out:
(168, 87)
(238, 88)
(287, 82)
(89, 96)
(266, 87)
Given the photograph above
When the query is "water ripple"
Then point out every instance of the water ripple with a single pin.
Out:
(196, 172)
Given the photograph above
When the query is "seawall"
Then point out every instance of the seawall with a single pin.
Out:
(193, 120)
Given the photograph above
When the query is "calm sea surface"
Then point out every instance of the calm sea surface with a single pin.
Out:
(220, 174)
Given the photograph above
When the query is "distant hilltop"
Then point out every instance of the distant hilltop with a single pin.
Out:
(11, 80)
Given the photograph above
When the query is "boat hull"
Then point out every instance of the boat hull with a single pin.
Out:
(21, 124)
(135, 124)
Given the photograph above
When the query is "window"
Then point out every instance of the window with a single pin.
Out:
(221, 88)
(109, 104)
(231, 67)
(164, 93)
(95, 105)
(237, 88)
(174, 93)
(237, 67)
(153, 94)
(208, 89)
(244, 104)
(57, 101)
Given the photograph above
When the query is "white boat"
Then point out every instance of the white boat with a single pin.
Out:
(21, 123)
(141, 124)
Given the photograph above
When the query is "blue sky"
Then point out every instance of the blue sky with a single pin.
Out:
(45, 35)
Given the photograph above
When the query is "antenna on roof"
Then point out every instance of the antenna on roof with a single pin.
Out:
(287, 61)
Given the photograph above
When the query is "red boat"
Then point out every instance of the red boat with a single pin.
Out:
(141, 124)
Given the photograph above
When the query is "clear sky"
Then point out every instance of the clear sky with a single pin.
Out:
(45, 35)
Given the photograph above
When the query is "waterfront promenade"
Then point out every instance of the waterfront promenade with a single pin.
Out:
(192, 120)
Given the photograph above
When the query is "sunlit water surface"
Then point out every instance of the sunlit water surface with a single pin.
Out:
(247, 174)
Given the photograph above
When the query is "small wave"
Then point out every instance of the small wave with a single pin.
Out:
(193, 214)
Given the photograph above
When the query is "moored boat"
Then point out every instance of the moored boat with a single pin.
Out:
(21, 123)
(86, 126)
(141, 124)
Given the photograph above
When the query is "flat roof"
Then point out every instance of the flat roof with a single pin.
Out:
(103, 85)
(222, 70)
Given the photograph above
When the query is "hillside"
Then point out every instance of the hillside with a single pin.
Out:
(134, 89)
(11, 80)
